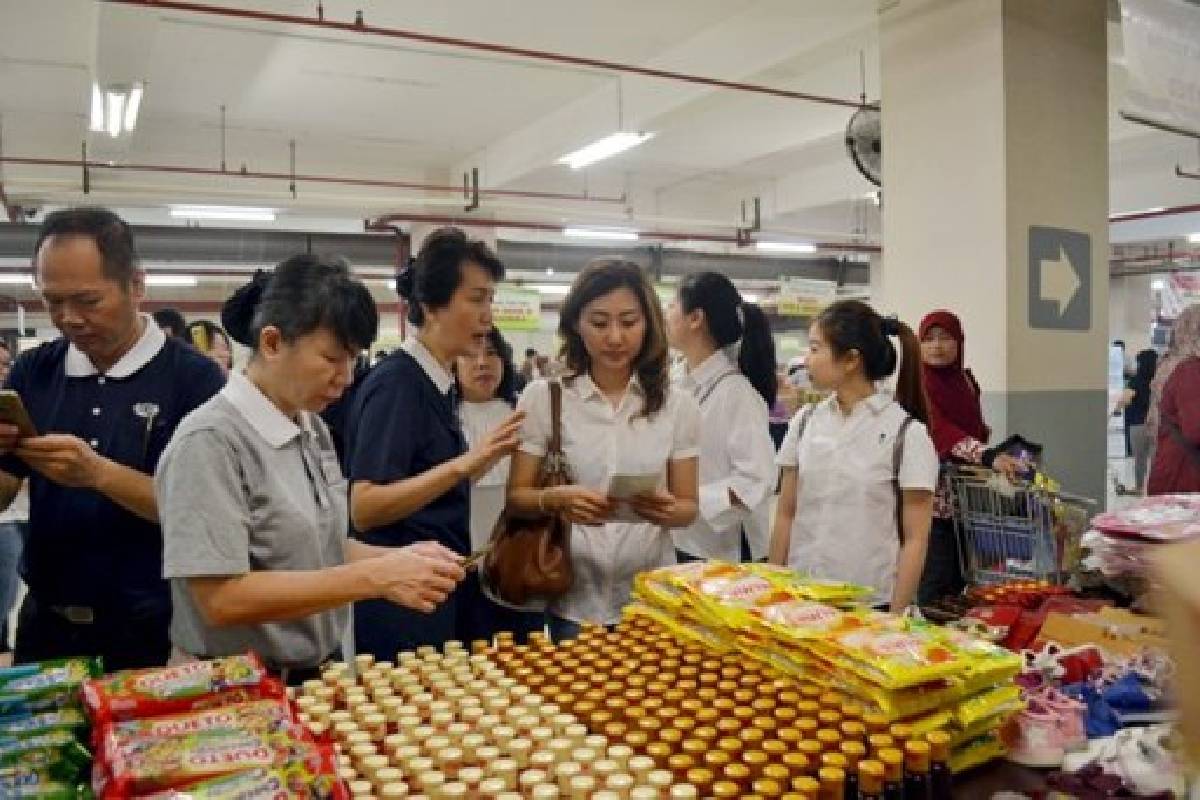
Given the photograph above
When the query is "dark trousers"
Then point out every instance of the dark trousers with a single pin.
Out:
(123, 640)
(942, 575)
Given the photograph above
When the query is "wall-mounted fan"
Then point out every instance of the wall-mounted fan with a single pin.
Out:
(864, 143)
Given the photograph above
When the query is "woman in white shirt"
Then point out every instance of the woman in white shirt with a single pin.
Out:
(619, 418)
(729, 357)
(851, 460)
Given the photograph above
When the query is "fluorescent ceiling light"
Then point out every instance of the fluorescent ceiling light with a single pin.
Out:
(559, 289)
(114, 113)
(749, 297)
(1158, 284)
(171, 280)
(15, 279)
(392, 284)
(604, 148)
(115, 108)
(786, 247)
(132, 106)
(97, 120)
(612, 234)
(238, 213)
(1194, 238)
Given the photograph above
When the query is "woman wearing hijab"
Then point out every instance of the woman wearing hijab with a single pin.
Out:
(1174, 419)
(960, 437)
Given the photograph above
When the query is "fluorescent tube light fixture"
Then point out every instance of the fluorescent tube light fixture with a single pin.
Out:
(1194, 238)
(227, 213)
(559, 289)
(610, 234)
(15, 279)
(115, 108)
(604, 148)
(171, 280)
(786, 247)
(1158, 284)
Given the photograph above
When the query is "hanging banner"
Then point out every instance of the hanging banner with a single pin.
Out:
(1161, 39)
(517, 309)
(804, 297)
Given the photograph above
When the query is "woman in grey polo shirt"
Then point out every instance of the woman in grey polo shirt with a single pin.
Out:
(252, 500)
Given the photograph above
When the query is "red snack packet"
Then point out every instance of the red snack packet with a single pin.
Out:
(289, 783)
(154, 764)
(135, 694)
(259, 716)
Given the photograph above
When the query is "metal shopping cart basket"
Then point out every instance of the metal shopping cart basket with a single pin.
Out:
(1015, 531)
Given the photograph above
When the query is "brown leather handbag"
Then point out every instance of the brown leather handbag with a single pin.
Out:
(529, 558)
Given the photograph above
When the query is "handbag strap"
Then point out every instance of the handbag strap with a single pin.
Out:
(555, 417)
(897, 463)
(1188, 447)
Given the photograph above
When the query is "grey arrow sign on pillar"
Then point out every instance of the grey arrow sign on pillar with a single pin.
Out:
(1060, 279)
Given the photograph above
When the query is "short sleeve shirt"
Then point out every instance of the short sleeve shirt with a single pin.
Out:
(243, 488)
(83, 548)
(601, 441)
(405, 422)
(845, 523)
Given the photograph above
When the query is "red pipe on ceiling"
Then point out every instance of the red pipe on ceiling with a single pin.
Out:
(300, 178)
(388, 222)
(491, 47)
(1161, 212)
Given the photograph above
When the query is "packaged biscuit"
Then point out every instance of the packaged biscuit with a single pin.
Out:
(174, 690)
(39, 784)
(68, 719)
(293, 782)
(896, 658)
(793, 618)
(153, 764)
(669, 587)
(45, 686)
(260, 716)
(14, 746)
(1003, 700)
(819, 590)
(976, 752)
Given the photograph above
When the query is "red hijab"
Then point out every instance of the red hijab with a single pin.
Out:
(954, 412)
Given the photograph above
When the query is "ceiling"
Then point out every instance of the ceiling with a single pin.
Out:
(374, 107)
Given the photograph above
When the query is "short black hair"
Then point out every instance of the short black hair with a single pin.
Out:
(112, 235)
(171, 321)
(305, 293)
(434, 275)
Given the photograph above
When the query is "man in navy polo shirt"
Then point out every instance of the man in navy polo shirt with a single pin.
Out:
(105, 398)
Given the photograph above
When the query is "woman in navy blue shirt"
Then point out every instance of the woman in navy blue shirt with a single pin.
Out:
(410, 468)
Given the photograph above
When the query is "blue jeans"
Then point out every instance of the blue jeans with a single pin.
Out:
(12, 542)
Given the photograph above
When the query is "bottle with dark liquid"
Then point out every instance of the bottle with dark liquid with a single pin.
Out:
(893, 773)
(916, 771)
(833, 783)
(870, 780)
(941, 780)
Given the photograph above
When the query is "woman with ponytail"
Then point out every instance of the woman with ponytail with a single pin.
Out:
(251, 497)
(859, 468)
(729, 357)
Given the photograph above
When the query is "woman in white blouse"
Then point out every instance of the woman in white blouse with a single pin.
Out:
(729, 357)
(859, 468)
(620, 420)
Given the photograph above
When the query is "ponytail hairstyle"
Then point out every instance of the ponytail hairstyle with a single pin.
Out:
(303, 294)
(731, 320)
(853, 325)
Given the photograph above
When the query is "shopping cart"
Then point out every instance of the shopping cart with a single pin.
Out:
(1014, 531)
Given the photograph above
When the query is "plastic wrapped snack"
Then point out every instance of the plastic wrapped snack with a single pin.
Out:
(669, 587)
(39, 784)
(153, 764)
(44, 686)
(12, 746)
(288, 783)
(68, 719)
(174, 690)
(796, 619)
(260, 716)
(897, 658)
(976, 752)
(820, 590)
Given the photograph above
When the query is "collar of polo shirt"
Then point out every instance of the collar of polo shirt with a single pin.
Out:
(876, 403)
(440, 376)
(78, 365)
(264, 416)
(588, 389)
(711, 368)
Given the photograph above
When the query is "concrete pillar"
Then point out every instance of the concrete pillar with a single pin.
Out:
(995, 180)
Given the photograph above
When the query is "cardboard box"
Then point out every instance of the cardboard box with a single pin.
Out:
(1178, 600)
